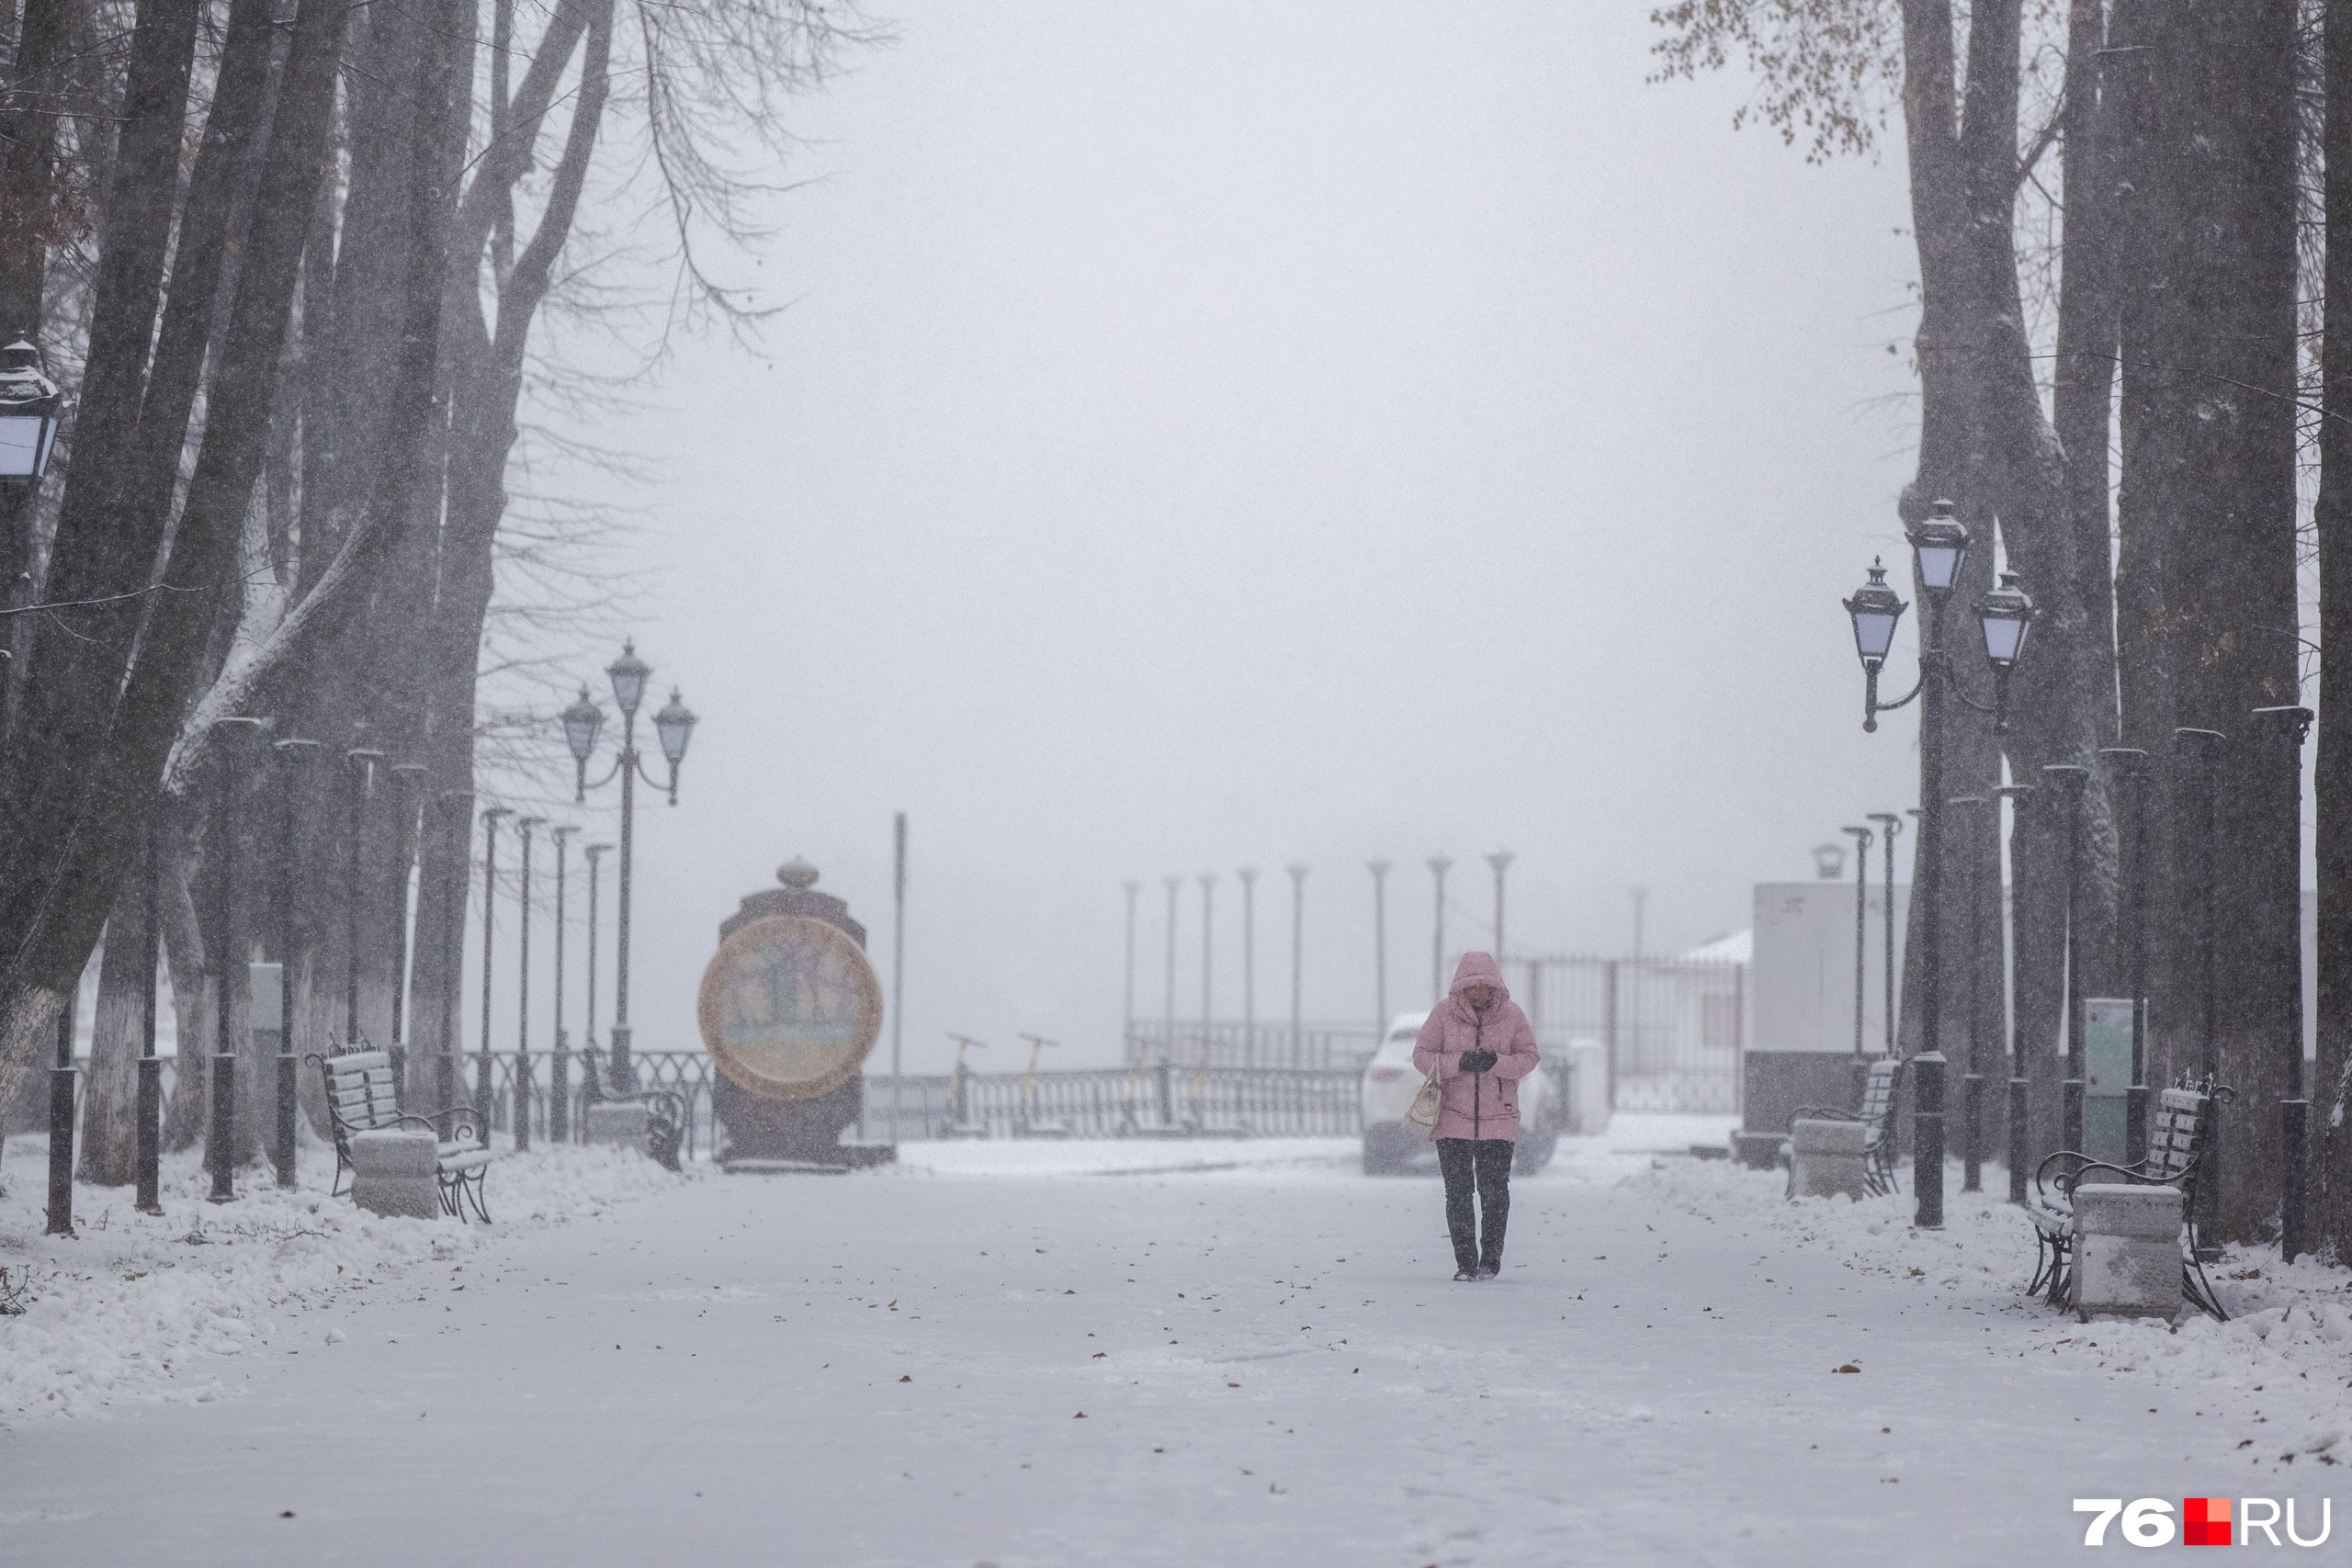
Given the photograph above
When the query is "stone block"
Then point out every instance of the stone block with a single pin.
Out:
(392, 1174)
(1826, 1158)
(2127, 1251)
(616, 1122)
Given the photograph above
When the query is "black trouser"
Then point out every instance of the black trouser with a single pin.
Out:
(1483, 1164)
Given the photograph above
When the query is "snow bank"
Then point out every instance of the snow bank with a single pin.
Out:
(2287, 1347)
(135, 1306)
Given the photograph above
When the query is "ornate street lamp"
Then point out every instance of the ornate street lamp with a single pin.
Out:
(31, 408)
(674, 727)
(1940, 550)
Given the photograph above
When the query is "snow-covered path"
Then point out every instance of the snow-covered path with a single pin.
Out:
(1272, 1363)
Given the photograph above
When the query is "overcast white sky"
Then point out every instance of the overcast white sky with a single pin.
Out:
(1245, 432)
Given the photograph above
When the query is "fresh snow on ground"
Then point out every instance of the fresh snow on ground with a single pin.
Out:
(141, 1307)
(1131, 1353)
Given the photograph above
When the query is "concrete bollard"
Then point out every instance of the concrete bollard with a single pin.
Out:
(1826, 1158)
(616, 1122)
(2127, 1251)
(392, 1174)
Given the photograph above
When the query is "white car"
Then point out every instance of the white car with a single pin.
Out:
(1390, 1082)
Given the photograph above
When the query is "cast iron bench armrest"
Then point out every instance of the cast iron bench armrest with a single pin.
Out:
(1826, 1113)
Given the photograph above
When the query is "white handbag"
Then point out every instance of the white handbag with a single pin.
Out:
(1423, 1111)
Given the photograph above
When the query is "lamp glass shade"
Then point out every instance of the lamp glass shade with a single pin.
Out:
(582, 720)
(1875, 609)
(1940, 545)
(1830, 861)
(2006, 615)
(629, 674)
(675, 726)
(31, 407)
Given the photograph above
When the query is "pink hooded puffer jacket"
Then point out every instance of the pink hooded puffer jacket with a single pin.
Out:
(1477, 1105)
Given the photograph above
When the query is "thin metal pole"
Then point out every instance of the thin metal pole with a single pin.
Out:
(2131, 766)
(1248, 875)
(1438, 866)
(2069, 779)
(899, 964)
(1208, 949)
(1863, 839)
(1890, 828)
(151, 1068)
(1167, 1039)
(293, 756)
(1972, 1084)
(489, 952)
(622, 1075)
(520, 1099)
(1500, 859)
(408, 793)
(361, 761)
(559, 1065)
(593, 855)
(1297, 960)
(222, 1146)
(2203, 747)
(1928, 1069)
(2016, 795)
(1128, 1011)
(458, 814)
(61, 1078)
(1379, 869)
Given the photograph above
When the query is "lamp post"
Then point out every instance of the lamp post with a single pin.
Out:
(1379, 869)
(294, 758)
(1248, 875)
(1438, 866)
(1939, 547)
(519, 1098)
(2202, 747)
(1500, 861)
(456, 816)
(2131, 765)
(361, 761)
(2016, 795)
(150, 1199)
(2294, 1110)
(1127, 1012)
(1890, 828)
(673, 725)
(593, 855)
(1298, 958)
(1208, 949)
(1972, 1083)
(2067, 780)
(1863, 839)
(899, 962)
(488, 955)
(559, 1063)
(1168, 1021)
(221, 1143)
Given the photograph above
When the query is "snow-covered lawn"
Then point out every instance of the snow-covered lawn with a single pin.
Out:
(143, 1307)
(1201, 1353)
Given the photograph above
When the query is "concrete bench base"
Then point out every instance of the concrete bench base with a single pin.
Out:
(2126, 1251)
(395, 1173)
(616, 1122)
(1829, 1157)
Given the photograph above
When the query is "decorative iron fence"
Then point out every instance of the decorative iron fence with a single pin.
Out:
(1160, 1100)
(1674, 1029)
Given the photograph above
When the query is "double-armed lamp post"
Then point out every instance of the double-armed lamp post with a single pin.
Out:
(674, 727)
(1939, 547)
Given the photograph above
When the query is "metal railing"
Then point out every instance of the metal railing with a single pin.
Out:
(1229, 1042)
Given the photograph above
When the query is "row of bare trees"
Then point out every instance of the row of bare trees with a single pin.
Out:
(299, 261)
(2124, 211)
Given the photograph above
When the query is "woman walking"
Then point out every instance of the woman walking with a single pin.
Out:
(1477, 1046)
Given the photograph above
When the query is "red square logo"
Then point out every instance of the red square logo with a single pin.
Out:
(2205, 1521)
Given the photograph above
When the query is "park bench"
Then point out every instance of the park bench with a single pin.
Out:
(362, 1095)
(2178, 1132)
(1877, 1115)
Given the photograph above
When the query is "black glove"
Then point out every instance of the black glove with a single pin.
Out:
(1476, 1061)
